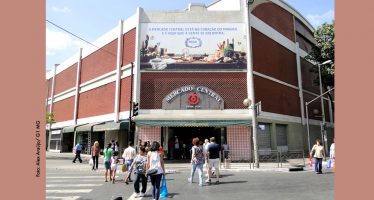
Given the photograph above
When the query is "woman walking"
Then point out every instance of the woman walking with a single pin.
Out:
(197, 160)
(317, 153)
(107, 156)
(155, 168)
(139, 166)
(95, 150)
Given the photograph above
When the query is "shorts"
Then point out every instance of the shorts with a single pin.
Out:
(107, 164)
(214, 163)
(113, 167)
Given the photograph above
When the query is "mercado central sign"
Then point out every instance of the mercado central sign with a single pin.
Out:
(193, 97)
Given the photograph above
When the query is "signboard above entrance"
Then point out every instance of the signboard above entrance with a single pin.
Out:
(193, 97)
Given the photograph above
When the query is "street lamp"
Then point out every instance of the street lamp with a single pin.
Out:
(322, 104)
(247, 103)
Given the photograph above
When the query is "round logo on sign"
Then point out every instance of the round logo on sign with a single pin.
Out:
(193, 99)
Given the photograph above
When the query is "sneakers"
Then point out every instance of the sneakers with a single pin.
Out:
(137, 195)
(208, 181)
(141, 194)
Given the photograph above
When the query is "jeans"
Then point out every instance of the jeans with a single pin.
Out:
(78, 155)
(95, 162)
(318, 165)
(128, 165)
(156, 181)
(200, 170)
(143, 179)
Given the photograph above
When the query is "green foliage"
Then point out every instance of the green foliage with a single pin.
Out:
(323, 51)
(49, 118)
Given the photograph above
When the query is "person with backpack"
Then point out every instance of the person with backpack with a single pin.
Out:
(140, 173)
(108, 152)
(155, 169)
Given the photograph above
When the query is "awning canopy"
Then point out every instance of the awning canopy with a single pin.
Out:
(112, 126)
(87, 127)
(193, 120)
(71, 129)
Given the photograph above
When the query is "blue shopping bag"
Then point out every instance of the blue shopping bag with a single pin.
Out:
(328, 165)
(163, 190)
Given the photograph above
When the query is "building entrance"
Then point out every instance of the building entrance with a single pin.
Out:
(185, 136)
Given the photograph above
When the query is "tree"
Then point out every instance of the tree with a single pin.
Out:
(323, 51)
(49, 118)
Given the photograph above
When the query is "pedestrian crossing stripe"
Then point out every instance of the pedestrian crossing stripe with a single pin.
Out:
(67, 180)
(69, 191)
(73, 185)
(63, 198)
(74, 177)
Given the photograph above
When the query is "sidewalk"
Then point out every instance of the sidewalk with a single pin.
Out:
(177, 166)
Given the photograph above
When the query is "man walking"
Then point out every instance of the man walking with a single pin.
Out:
(213, 155)
(78, 149)
(205, 151)
(129, 155)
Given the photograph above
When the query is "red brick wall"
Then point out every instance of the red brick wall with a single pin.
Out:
(276, 17)
(272, 59)
(98, 101)
(125, 94)
(308, 77)
(49, 87)
(155, 86)
(277, 98)
(99, 62)
(128, 53)
(64, 110)
(316, 105)
(66, 79)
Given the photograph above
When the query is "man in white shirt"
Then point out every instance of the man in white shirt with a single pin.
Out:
(205, 149)
(128, 156)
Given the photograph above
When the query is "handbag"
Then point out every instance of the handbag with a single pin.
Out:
(90, 162)
(124, 169)
(163, 190)
(151, 172)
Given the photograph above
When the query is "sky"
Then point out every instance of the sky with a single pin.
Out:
(89, 19)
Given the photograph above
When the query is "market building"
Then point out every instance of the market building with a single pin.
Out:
(191, 72)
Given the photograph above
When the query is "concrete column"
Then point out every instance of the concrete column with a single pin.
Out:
(118, 72)
(51, 106)
(136, 96)
(300, 83)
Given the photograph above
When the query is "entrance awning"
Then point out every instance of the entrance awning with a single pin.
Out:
(190, 120)
(112, 126)
(70, 129)
(87, 127)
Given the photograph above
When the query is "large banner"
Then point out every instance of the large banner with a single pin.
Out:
(193, 46)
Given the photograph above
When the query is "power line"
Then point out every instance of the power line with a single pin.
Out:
(79, 37)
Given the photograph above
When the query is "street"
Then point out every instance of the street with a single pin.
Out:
(67, 180)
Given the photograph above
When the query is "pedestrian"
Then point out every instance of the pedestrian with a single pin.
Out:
(108, 152)
(197, 161)
(317, 153)
(155, 163)
(205, 149)
(332, 153)
(176, 148)
(129, 155)
(78, 149)
(139, 165)
(95, 150)
(113, 165)
(213, 155)
(116, 147)
(225, 150)
(137, 148)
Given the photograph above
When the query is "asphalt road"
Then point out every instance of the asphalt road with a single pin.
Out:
(66, 180)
